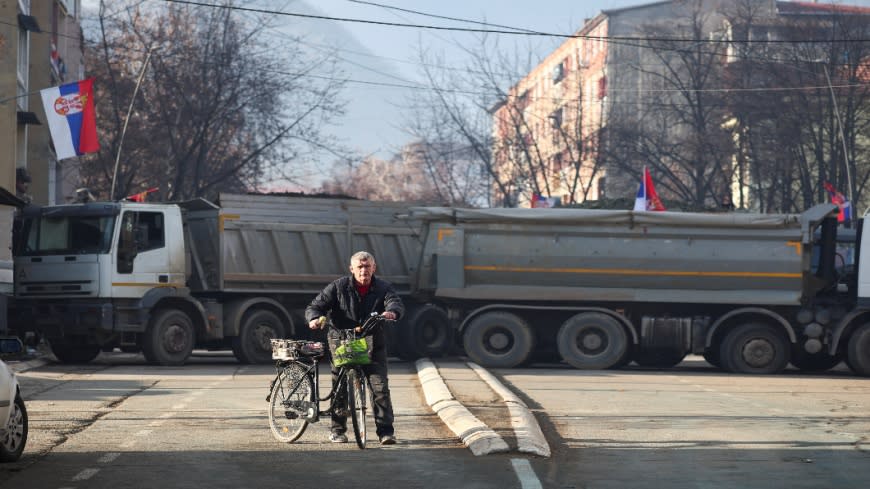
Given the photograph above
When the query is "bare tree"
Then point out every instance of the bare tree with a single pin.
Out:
(511, 146)
(218, 110)
(677, 124)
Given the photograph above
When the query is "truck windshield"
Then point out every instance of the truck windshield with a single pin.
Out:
(65, 235)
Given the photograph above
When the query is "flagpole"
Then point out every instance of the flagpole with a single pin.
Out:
(127, 120)
(842, 136)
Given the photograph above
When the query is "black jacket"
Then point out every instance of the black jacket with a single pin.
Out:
(341, 303)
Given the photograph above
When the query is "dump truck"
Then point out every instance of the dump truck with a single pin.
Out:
(601, 288)
(164, 279)
(595, 289)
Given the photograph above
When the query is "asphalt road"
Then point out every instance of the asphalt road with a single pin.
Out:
(120, 423)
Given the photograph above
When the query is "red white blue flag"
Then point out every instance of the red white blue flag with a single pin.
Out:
(647, 199)
(541, 202)
(69, 110)
(842, 202)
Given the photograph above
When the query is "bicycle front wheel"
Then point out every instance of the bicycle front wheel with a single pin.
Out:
(291, 396)
(356, 396)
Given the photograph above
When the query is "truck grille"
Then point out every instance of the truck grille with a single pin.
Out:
(78, 288)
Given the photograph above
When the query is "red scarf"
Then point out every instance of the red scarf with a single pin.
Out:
(362, 290)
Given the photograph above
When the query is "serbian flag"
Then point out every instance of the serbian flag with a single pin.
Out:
(69, 110)
(541, 202)
(842, 202)
(647, 199)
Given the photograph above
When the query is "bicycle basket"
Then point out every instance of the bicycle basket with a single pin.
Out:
(352, 352)
(283, 349)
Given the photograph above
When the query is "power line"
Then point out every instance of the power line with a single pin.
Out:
(417, 87)
(417, 12)
(509, 32)
(41, 31)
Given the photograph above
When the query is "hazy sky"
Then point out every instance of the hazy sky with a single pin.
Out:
(376, 56)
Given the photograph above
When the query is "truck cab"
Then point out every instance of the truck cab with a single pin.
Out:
(79, 267)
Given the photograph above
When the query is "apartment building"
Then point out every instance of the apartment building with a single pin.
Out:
(41, 45)
(551, 132)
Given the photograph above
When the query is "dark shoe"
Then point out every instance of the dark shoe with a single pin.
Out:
(388, 440)
(339, 438)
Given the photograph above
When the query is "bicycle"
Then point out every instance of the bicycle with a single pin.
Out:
(294, 400)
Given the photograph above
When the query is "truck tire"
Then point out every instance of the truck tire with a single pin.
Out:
(591, 340)
(755, 348)
(73, 353)
(425, 333)
(712, 357)
(169, 339)
(659, 357)
(814, 362)
(498, 339)
(253, 344)
(858, 351)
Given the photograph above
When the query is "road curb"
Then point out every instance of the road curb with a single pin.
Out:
(477, 436)
(530, 438)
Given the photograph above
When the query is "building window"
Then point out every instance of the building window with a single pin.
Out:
(557, 162)
(601, 188)
(558, 72)
(556, 118)
(602, 87)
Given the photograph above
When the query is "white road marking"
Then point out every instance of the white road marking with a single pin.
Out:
(108, 458)
(525, 473)
(85, 475)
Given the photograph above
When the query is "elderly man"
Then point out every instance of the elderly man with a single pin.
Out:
(347, 302)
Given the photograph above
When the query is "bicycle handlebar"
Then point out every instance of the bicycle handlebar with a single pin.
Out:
(368, 326)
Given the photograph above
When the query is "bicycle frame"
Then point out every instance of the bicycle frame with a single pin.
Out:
(312, 372)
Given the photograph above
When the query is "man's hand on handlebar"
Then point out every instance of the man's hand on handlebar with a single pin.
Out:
(317, 323)
(389, 315)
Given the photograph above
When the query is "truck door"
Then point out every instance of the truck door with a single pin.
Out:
(142, 258)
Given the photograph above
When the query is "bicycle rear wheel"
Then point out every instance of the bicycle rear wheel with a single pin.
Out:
(356, 383)
(290, 395)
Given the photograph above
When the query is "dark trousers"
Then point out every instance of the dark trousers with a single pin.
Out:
(376, 372)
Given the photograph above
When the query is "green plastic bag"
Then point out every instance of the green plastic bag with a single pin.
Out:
(352, 352)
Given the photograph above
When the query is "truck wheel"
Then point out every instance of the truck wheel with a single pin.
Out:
(713, 358)
(253, 344)
(498, 339)
(755, 348)
(73, 353)
(858, 351)
(814, 362)
(659, 357)
(169, 339)
(14, 434)
(426, 333)
(592, 340)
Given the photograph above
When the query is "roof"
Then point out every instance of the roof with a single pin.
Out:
(643, 5)
(810, 8)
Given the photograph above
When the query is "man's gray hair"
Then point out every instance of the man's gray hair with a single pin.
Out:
(362, 256)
